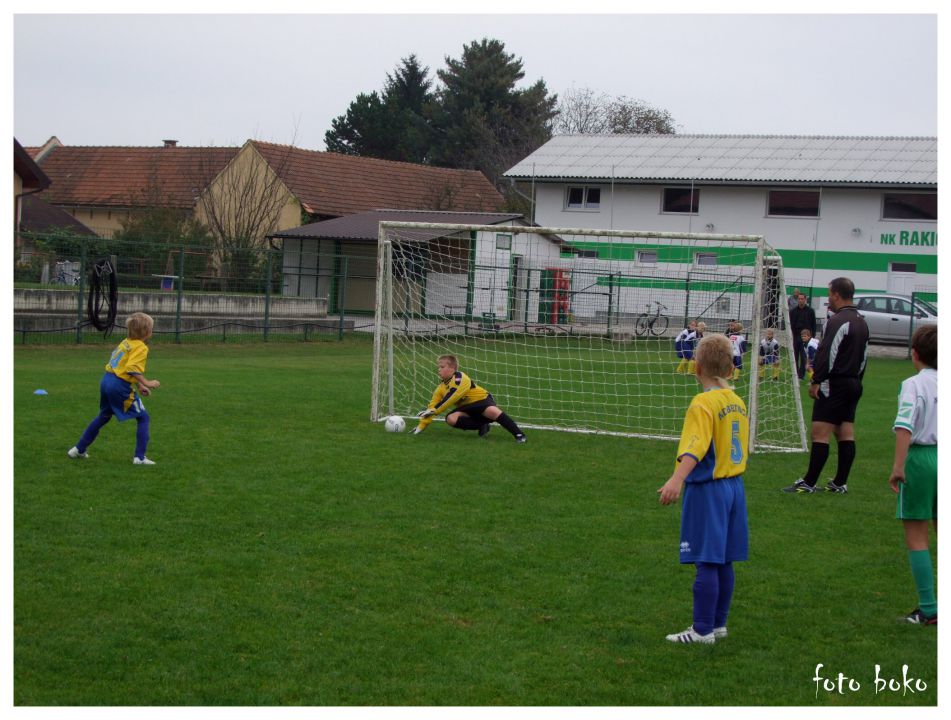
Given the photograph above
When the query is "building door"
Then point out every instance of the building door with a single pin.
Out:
(901, 278)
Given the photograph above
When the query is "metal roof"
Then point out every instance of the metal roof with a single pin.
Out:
(366, 226)
(735, 159)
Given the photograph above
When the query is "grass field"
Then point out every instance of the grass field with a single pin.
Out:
(286, 551)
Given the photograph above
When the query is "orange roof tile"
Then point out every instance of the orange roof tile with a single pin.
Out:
(123, 176)
(333, 184)
(325, 183)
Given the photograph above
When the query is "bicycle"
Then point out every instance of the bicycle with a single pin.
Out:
(652, 322)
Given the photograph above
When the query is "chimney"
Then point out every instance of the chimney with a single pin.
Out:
(170, 143)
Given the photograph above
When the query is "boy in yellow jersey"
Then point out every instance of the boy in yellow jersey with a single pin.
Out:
(711, 459)
(469, 406)
(120, 389)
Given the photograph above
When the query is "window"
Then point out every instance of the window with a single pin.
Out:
(708, 259)
(647, 257)
(503, 242)
(723, 305)
(583, 198)
(910, 206)
(793, 203)
(681, 200)
(874, 304)
(904, 267)
(899, 307)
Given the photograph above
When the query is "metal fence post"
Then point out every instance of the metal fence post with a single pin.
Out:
(343, 294)
(80, 293)
(181, 290)
(267, 296)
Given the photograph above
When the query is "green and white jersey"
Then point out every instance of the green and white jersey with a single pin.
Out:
(918, 407)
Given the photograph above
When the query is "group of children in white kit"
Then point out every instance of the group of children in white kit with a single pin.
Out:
(687, 340)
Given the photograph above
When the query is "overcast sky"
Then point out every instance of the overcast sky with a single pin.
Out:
(222, 79)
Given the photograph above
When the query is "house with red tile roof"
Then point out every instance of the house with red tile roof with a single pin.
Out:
(101, 186)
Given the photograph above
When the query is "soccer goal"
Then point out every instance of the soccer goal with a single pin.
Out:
(574, 330)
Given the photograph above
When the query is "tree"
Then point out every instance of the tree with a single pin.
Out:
(241, 205)
(482, 121)
(391, 126)
(586, 112)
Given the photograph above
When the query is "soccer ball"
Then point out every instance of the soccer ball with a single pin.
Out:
(394, 423)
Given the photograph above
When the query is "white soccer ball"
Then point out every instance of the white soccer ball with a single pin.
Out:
(394, 423)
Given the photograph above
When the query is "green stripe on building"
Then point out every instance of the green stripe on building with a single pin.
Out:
(742, 255)
(857, 261)
(824, 259)
(655, 284)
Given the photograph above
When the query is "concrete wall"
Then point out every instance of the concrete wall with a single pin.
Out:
(35, 309)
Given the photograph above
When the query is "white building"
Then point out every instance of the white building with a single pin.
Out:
(863, 207)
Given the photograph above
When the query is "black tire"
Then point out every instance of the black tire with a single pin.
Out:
(643, 324)
(659, 326)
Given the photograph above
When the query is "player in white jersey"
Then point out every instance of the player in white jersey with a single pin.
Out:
(914, 474)
(738, 341)
(684, 344)
(769, 354)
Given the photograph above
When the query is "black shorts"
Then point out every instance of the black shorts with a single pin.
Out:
(838, 398)
(475, 409)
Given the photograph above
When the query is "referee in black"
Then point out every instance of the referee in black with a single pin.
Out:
(836, 388)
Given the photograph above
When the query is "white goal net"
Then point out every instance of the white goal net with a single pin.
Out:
(575, 330)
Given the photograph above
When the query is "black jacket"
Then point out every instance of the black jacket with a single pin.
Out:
(802, 318)
(843, 351)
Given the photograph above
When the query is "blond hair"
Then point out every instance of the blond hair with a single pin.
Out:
(714, 358)
(139, 325)
(451, 359)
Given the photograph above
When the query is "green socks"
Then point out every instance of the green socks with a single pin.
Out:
(920, 561)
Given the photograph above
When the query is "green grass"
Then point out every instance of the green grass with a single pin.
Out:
(287, 551)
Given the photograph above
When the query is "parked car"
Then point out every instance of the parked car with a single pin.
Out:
(889, 316)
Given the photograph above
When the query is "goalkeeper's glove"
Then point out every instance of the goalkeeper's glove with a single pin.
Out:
(417, 430)
(423, 414)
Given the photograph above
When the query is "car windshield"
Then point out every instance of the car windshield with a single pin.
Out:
(926, 306)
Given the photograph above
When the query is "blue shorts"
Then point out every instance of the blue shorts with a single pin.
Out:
(684, 350)
(738, 361)
(713, 523)
(770, 359)
(118, 397)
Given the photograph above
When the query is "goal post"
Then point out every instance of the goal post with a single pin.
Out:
(573, 329)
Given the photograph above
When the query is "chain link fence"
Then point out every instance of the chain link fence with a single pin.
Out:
(194, 293)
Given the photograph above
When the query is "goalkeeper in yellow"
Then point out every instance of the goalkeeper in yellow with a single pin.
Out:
(467, 406)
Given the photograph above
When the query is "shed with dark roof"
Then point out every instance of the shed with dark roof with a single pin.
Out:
(337, 259)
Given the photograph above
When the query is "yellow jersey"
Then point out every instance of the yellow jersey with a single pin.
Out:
(128, 359)
(716, 433)
(456, 391)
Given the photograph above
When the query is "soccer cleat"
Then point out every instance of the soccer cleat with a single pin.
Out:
(692, 636)
(720, 632)
(833, 488)
(521, 438)
(484, 429)
(800, 486)
(142, 461)
(74, 453)
(916, 617)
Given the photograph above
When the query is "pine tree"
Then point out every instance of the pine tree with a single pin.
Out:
(482, 121)
(391, 126)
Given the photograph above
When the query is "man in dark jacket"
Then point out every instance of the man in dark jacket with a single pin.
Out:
(836, 388)
(802, 317)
